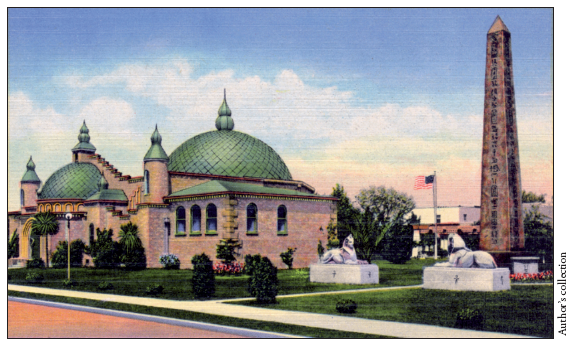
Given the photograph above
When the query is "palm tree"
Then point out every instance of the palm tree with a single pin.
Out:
(45, 224)
(129, 237)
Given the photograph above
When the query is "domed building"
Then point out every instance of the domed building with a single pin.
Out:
(217, 186)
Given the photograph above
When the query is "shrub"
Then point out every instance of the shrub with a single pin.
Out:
(169, 262)
(249, 261)
(60, 256)
(34, 277)
(320, 249)
(135, 259)
(35, 263)
(346, 306)
(442, 253)
(69, 283)
(133, 252)
(105, 251)
(203, 279)
(263, 283)
(154, 289)
(469, 319)
(287, 257)
(104, 286)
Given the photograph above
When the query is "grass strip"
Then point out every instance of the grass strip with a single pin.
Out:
(201, 317)
(524, 310)
(177, 283)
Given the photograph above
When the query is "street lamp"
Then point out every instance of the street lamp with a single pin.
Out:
(68, 217)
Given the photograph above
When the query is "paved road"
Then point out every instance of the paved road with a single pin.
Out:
(314, 320)
(37, 320)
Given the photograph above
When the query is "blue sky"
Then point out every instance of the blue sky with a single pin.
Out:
(356, 96)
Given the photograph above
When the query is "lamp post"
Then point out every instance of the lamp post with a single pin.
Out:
(68, 217)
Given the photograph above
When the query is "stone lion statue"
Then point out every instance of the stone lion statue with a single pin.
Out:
(344, 255)
(462, 257)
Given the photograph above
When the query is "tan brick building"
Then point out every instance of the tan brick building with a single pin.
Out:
(216, 185)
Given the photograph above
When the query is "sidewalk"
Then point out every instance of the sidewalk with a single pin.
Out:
(350, 324)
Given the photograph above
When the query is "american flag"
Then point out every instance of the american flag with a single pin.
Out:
(422, 182)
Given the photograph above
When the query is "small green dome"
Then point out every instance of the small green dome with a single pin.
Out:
(84, 140)
(156, 151)
(74, 180)
(30, 176)
(228, 153)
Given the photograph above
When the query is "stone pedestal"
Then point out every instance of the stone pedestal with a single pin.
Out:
(525, 265)
(466, 279)
(344, 273)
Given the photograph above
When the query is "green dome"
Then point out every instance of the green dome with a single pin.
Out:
(228, 153)
(74, 180)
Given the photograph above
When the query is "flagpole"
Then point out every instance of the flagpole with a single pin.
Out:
(434, 198)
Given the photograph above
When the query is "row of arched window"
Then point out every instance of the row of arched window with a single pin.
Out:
(211, 219)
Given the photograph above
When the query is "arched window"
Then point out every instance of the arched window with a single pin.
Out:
(22, 197)
(282, 219)
(92, 235)
(146, 182)
(196, 219)
(48, 208)
(211, 218)
(180, 220)
(252, 218)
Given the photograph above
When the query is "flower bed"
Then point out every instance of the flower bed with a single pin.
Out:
(234, 268)
(546, 276)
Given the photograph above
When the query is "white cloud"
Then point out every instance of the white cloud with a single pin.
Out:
(108, 115)
(322, 134)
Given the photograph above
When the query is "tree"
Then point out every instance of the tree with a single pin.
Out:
(531, 197)
(45, 224)
(346, 213)
(133, 252)
(398, 244)
(60, 256)
(383, 209)
(385, 204)
(538, 234)
(14, 245)
(227, 249)
(105, 251)
(414, 220)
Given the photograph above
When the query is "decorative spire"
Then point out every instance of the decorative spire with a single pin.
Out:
(498, 25)
(84, 139)
(156, 137)
(224, 121)
(156, 151)
(103, 183)
(30, 176)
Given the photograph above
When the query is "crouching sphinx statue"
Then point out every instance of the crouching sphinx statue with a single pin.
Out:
(462, 257)
(343, 255)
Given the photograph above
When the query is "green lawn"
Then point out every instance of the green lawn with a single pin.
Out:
(524, 310)
(177, 283)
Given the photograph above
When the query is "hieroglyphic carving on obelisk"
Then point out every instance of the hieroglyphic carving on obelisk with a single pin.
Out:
(501, 204)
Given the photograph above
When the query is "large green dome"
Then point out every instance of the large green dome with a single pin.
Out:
(228, 153)
(74, 180)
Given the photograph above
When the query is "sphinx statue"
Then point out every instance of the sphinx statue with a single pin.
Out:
(343, 255)
(462, 257)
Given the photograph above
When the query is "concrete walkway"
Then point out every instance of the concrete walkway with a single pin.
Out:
(342, 323)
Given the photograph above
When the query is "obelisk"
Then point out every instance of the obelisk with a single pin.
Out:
(501, 226)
